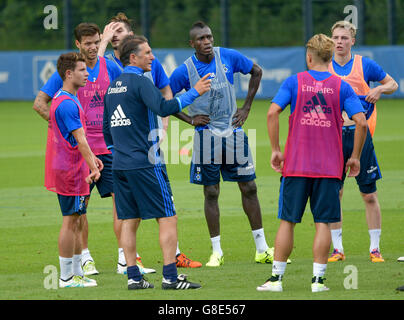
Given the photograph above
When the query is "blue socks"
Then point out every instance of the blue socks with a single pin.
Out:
(134, 273)
(170, 272)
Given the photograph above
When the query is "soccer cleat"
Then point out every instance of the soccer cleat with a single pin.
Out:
(89, 268)
(317, 284)
(400, 288)
(184, 262)
(142, 269)
(336, 256)
(273, 284)
(88, 280)
(142, 284)
(215, 260)
(77, 282)
(375, 256)
(181, 284)
(121, 268)
(267, 256)
(401, 259)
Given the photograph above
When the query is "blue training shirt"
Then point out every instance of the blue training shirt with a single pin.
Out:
(160, 78)
(287, 94)
(371, 70)
(55, 82)
(233, 61)
(67, 117)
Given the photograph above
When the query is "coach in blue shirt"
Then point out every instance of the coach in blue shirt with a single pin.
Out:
(142, 188)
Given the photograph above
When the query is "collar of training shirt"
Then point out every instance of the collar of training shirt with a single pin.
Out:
(133, 69)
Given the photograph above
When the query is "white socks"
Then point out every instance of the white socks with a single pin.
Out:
(374, 235)
(178, 250)
(121, 257)
(70, 267)
(66, 268)
(278, 268)
(216, 245)
(319, 269)
(336, 236)
(260, 242)
(77, 270)
(86, 256)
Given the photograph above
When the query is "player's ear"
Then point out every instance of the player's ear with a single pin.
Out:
(191, 43)
(77, 44)
(353, 41)
(131, 33)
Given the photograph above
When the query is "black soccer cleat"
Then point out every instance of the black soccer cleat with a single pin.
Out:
(180, 284)
(142, 284)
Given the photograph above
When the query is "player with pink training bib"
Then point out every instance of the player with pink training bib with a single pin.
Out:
(312, 164)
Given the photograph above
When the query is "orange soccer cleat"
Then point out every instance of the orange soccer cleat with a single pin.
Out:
(184, 262)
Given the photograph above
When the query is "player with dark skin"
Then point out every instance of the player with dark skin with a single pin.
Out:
(202, 41)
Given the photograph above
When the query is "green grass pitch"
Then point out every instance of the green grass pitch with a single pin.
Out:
(30, 221)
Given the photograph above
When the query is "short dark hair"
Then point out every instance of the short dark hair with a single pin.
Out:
(121, 17)
(130, 44)
(68, 61)
(197, 25)
(86, 29)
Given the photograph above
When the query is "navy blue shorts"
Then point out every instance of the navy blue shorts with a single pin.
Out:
(143, 193)
(212, 155)
(370, 171)
(72, 204)
(105, 183)
(322, 192)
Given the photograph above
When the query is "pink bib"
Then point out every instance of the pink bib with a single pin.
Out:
(65, 167)
(314, 144)
(91, 98)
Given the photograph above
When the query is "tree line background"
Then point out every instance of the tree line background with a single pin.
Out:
(253, 23)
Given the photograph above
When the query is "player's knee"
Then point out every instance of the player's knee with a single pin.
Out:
(248, 189)
(370, 198)
(211, 192)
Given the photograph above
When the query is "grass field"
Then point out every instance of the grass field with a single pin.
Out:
(30, 221)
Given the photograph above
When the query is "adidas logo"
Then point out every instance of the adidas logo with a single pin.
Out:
(315, 112)
(118, 119)
(96, 101)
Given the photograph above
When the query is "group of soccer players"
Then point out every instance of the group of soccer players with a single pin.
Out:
(117, 108)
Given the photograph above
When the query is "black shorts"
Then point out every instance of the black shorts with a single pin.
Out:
(143, 193)
(105, 183)
(370, 170)
(72, 204)
(322, 192)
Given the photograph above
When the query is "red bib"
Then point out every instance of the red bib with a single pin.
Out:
(314, 144)
(91, 98)
(65, 167)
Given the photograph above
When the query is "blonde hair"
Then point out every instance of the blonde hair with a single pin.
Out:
(345, 24)
(322, 47)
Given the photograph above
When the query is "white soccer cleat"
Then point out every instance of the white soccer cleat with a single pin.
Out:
(121, 269)
(317, 285)
(89, 268)
(77, 282)
(401, 259)
(273, 284)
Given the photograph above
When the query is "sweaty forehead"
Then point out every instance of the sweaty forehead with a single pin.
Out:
(199, 32)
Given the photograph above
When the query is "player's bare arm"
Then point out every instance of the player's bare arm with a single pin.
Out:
(353, 162)
(242, 113)
(273, 133)
(41, 105)
(106, 37)
(388, 86)
(88, 155)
